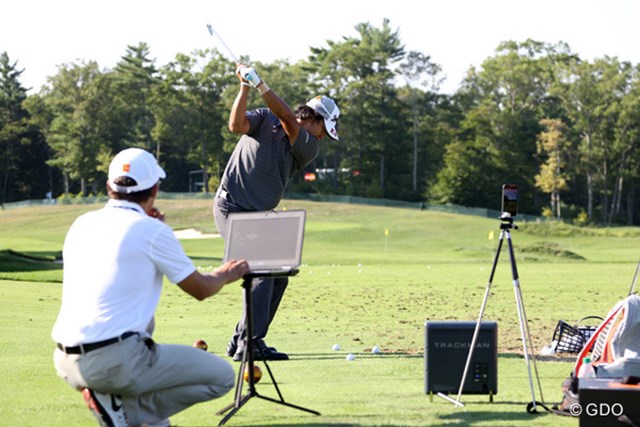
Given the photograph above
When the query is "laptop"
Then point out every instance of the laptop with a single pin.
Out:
(270, 241)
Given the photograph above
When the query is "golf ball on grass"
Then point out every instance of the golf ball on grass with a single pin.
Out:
(351, 357)
(257, 373)
(375, 349)
(201, 344)
(336, 347)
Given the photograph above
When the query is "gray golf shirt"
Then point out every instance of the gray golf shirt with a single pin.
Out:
(263, 161)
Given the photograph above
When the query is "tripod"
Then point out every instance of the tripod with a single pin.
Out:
(507, 224)
(248, 358)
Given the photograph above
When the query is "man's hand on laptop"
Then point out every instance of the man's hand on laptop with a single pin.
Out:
(232, 270)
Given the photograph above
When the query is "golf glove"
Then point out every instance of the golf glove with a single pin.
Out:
(250, 75)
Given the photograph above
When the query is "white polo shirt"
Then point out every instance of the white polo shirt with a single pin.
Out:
(114, 261)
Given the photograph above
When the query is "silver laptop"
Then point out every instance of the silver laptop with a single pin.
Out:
(270, 241)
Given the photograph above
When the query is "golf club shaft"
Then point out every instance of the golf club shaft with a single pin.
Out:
(214, 33)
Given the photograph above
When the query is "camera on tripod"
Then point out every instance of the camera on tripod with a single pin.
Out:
(509, 210)
(509, 200)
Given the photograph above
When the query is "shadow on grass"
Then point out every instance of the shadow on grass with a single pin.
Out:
(298, 424)
(473, 418)
(205, 258)
(415, 355)
(342, 355)
(562, 357)
(319, 425)
(450, 420)
(12, 261)
(43, 266)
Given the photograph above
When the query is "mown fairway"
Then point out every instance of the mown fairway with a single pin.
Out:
(358, 288)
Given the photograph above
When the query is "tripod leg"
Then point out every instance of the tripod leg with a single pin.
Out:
(273, 380)
(291, 405)
(235, 407)
(482, 308)
(239, 384)
(237, 401)
(247, 358)
(635, 278)
(524, 325)
(238, 394)
(530, 341)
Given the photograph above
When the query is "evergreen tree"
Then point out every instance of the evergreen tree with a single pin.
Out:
(135, 77)
(374, 142)
(23, 173)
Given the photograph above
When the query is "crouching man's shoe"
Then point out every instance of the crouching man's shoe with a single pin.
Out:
(107, 408)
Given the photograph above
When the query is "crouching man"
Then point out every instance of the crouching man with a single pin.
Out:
(114, 262)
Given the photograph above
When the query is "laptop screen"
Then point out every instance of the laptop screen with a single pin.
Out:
(269, 241)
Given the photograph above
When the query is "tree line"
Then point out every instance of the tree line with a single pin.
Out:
(564, 129)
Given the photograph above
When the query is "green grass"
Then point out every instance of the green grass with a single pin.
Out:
(357, 288)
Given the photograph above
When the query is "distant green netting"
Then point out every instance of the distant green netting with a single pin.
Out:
(450, 208)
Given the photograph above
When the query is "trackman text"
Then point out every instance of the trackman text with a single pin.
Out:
(461, 345)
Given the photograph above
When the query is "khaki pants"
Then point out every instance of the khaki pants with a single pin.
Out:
(154, 380)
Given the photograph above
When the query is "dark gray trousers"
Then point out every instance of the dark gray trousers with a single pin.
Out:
(266, 293)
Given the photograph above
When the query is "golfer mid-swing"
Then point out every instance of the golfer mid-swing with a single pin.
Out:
(276, 143)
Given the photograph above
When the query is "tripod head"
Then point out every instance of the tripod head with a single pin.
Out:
(506, 221)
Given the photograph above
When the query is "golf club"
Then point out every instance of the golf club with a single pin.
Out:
(213, 33)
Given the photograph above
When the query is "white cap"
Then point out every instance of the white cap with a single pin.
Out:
(137, 164)
(329, 111)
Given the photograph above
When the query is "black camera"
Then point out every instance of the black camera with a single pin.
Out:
(510, 199)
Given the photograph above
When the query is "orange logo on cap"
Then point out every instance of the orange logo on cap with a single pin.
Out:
(126, 167)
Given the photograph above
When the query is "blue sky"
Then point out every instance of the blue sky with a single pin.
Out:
(42, 34)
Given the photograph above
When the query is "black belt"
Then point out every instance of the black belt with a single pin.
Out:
(86, 348)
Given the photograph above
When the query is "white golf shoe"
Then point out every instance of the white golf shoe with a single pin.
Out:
(107, 408)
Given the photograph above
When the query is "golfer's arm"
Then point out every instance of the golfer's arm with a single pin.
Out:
(283, 112)
(238, 122)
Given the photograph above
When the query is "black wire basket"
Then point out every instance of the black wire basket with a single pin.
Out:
(571, 339)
